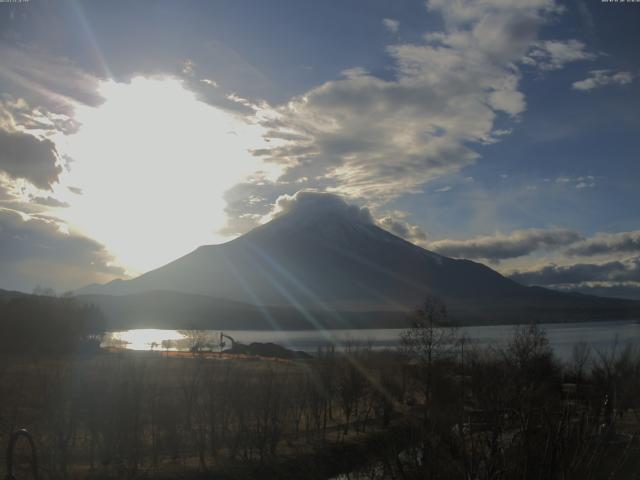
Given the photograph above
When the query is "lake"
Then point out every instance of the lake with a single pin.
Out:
(600, 335)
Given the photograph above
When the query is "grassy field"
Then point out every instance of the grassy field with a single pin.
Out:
(425, 411)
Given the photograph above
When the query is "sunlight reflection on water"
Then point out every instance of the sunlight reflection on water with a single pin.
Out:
(600, 335)
(145, 339)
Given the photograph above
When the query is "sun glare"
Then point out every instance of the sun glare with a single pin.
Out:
(153, 163)
(146, 339)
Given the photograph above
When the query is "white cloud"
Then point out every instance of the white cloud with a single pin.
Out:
(555, 54)
(17, 115)
(188, 67)
(375, 139)
(211, 83)
(396, 223)
(467, 11)
(510, 101)
(390, 24)
(601, 78)
(579, 183)
(313, 204)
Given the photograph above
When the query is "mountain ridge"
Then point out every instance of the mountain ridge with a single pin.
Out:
(321, 254)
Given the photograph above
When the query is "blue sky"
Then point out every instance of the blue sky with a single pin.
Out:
(501, 131)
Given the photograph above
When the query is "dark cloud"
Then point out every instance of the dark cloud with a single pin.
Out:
(607, 243)
(7, 196)
(630, 290)
(574, 275)
(28, 157)
(500, 247)
(50, 202)
(53, 83)
(249, 202)
(36, 251)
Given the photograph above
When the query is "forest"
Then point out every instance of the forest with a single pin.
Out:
(43, 324)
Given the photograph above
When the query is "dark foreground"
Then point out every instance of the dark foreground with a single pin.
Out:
(439, 408)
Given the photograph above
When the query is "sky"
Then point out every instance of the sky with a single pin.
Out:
(503, 131)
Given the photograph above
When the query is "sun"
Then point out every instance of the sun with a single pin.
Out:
(153, 163)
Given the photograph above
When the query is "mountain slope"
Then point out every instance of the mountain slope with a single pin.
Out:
(6, 295)
(174, 310)
(324, 255)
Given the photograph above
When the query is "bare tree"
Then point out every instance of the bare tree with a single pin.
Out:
(430, 338)
(580, 358)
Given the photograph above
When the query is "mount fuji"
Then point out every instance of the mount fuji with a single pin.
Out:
(325, 260)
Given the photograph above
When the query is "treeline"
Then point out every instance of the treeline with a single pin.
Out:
(49, 324)
(119, 415)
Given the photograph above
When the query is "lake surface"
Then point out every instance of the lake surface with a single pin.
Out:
(600, 335)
